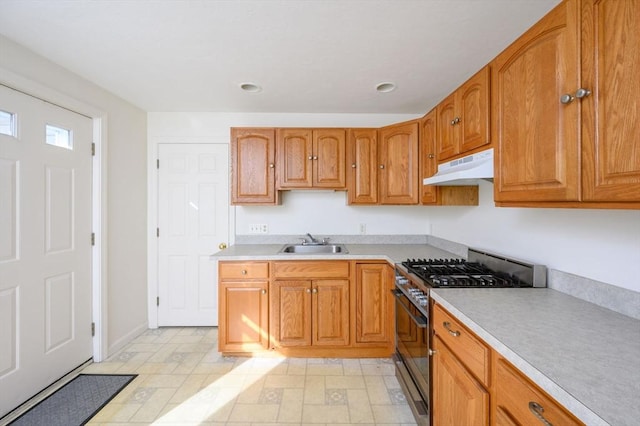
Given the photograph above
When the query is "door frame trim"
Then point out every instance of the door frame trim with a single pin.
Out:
(99, 251)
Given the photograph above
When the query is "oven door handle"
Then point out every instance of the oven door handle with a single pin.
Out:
(420, 322)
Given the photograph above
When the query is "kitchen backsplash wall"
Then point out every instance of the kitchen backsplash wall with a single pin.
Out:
(602, 245)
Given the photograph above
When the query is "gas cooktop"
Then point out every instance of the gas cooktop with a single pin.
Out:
(480, 270)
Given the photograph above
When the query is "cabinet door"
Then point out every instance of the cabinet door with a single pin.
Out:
(243, 316)
(253, 166)
(330, 312)
(458, 398)
(362, 166)
(329, 148)
(473, 111)
(398, 164)
(537, 152)
(373, 292)
(295, 158)
(428, 162)
(447, 141)
(611, 117)
(291, 313)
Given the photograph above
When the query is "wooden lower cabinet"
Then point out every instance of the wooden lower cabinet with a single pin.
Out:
(310, 313)
(243, 316)
(458, 398)
(243, 306)
(460, 373)
(520, 402)
(473, 385)
(373, 303)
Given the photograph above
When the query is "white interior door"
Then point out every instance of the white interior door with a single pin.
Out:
(45, 244)
(193, 210)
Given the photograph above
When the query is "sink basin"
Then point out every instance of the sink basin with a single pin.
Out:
(314, 249)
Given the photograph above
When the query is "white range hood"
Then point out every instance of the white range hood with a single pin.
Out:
(464, 171)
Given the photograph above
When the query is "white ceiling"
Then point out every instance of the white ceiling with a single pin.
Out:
(322, 56)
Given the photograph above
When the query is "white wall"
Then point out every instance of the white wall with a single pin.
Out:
(603, 245)
(123, 187)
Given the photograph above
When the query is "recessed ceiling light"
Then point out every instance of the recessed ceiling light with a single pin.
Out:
(250, 87)
(386, 87)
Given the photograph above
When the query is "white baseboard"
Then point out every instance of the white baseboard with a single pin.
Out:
(127, 338)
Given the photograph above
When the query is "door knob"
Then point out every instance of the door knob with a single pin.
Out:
(222, 246)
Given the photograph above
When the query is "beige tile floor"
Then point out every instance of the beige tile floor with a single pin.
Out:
(183, 380)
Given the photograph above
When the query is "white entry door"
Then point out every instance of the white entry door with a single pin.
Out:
(193, 210)
(45, 244)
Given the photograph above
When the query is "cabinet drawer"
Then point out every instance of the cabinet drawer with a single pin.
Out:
(314, 269)
(243, 270)
(524, 402)
(463, 343)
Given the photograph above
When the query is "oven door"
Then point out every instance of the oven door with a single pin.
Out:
(412, 339)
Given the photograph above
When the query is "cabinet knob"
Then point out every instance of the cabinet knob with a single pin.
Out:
(243, 272)
(382, 166)
(432, 352)
(315, 157)
(308, 290)
(431, 156)
(271, 165)
(222, 246)
(582, 93)
(353, 165)
(314, 291)
(263, 291)
(566, 99)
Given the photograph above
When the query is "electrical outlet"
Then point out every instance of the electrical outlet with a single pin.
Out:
(363, 228)
(258, 228)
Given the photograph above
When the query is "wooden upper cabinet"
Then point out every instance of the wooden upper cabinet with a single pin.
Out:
(464, 118)
(253, 166)
(439, 195)
(428, 161)
(610, 114)
(311, 158)
(329, 151)
(398, 164)
(362, 166)
(537, 155)
(295, 158)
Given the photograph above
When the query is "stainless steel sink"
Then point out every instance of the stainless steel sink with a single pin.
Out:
(313, 249)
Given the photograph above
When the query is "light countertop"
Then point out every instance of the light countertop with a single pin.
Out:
(392, 253)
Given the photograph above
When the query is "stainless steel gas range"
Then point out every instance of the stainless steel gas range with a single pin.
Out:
(414, 280)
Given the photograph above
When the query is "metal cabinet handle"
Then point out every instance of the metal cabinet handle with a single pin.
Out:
(432, 352)
(353, 165)
(314, 291)
(243, 272)
(537, 411)
(447, 326)
(431, 156)
(315, 157)
(455, 121)
(222, 246)
(309, 158)
(263, 291)
(382, 166)
(308, 290)
(271, 165)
